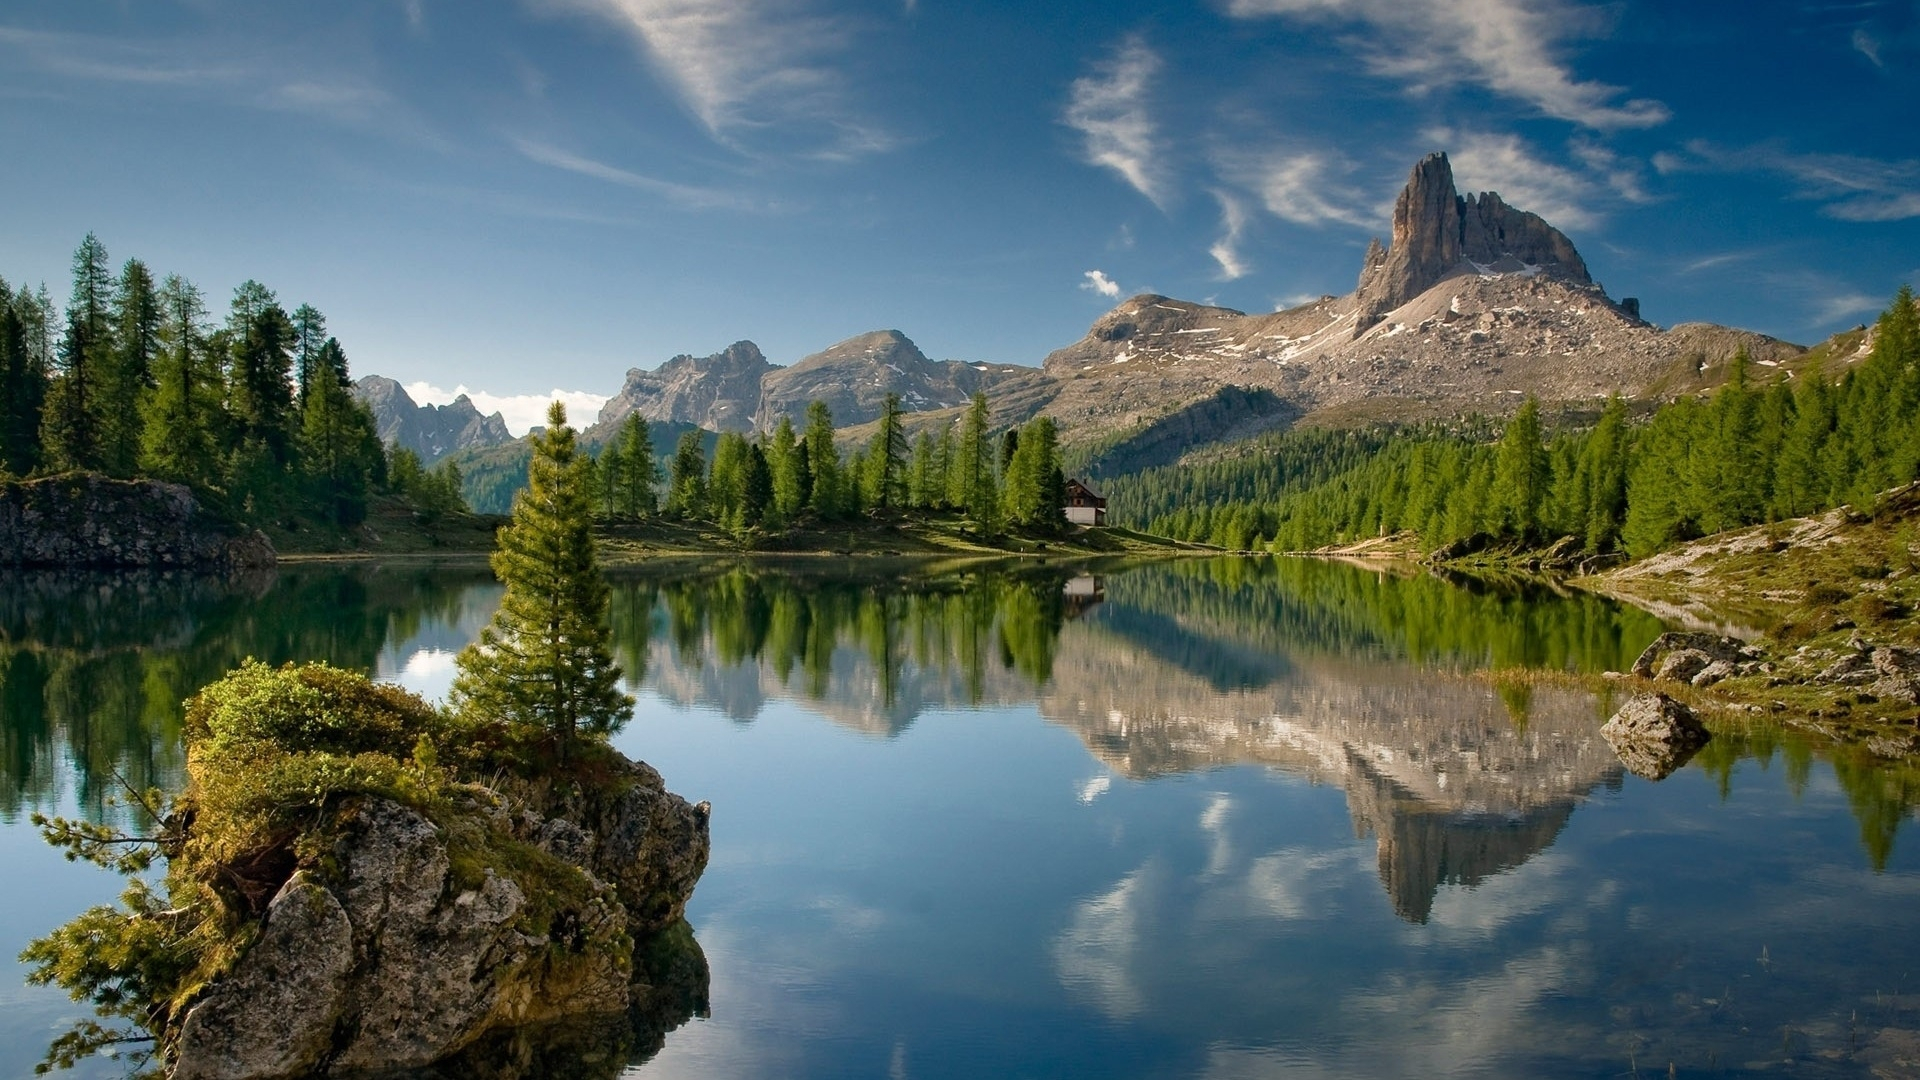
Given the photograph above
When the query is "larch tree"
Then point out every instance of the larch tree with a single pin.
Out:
(545, 665)
(127, 380)
(823, 463)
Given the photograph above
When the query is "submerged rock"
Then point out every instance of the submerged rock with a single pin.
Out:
(1654, 735)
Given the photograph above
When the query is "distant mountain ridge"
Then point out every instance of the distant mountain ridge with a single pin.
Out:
(738, 389)
(1470, 306)
(432, 431)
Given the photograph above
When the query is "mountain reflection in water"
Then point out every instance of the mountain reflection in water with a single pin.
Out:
(1027, 860)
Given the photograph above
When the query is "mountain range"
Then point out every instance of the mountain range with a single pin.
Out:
(1470, 305)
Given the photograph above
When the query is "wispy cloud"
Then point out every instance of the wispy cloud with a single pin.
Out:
(85, 56)
(416, 12)
(1566, 198)
(1868, 46)
(687, 195)
(1512, 47)
(1849, 187)
(1226, 250)
(754, 73)
(1306, 187)
(1110, 108)
(1098, 281)
(522, 412)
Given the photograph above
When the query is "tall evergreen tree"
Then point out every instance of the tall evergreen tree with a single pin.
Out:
(687, 487)
(128, 379)
(792, 479)
(309, 335)
(178, 424)
(1522, 473)
(974, 486)
(338, 442)
(638, 471)
(259, 384)
(823, 463)
(544, 665)
(74, 416)
(886, 480)
(23, 386)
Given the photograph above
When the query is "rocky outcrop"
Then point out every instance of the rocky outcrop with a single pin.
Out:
(1681, 656)
(423, 937)
(432, 431)
(1654, 735)
(87, 521)
(1437, 232)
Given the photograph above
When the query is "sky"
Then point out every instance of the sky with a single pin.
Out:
(521, 197)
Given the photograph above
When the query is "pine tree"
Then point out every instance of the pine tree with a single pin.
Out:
(638, 472)
(823, 463)
(886, 479)
(975, 488)
(1522, 473)
(792, 479)
(757, 488)
(544, 664)
(22, 386)
(259, 385)
(177, 426)
(127, 380)
(337, 438)
(309, 334)
(74, 415)
(687, 487)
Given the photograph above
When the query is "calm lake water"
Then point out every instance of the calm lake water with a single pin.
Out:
(1242, 818)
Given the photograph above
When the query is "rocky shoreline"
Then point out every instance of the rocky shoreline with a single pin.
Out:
(88, 521)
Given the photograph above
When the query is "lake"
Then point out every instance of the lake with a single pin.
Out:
(1228, 818)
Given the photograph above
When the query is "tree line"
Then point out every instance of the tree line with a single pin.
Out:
(799, 475)
(1695, 466)
(136, 379)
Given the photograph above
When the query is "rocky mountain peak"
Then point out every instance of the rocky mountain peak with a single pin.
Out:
(1437, 233)
(432, 431)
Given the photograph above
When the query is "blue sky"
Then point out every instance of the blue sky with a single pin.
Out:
(519, 195)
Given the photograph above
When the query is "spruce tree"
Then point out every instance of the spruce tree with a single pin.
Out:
(544, 664)
(22, 388)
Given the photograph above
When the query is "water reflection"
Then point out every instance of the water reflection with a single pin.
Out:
(1121, 792)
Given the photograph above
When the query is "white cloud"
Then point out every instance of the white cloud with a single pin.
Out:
(1868, 46)
(750, 70)
(1226, 250)
(1503, 164)
(1098, 281)
(685, 194)
(1509, 46)
(416, 15)
(1094, 954)
(1838, 306)
(1851, 187)
(1307, 187)
(1109, 107)
(522, 412)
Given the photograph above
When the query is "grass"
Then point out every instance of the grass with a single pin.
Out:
(1809, 588)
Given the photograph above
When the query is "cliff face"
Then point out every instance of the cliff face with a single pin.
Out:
(83, 520)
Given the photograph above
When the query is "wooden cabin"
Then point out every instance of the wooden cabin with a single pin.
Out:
(1084, 505)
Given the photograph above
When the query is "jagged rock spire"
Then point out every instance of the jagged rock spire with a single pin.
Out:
(1436, 232)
